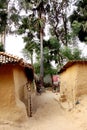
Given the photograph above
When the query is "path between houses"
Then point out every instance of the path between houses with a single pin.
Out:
(47, 115)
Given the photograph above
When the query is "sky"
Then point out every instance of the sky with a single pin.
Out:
(83, 48)
(14, 45)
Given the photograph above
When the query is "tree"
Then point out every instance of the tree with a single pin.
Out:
(32, 26)
(58, 20)
(35, 26)
(40, 9)
(71, 53)
(9, 17)
(49, 70)
(79, 20)
(1, 47)
(35, 23)
(29, 49)
(52, 50)
(3, 20)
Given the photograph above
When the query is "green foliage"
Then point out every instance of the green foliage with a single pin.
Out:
(48, 69)
(76, 54)
(37, 68)
(79, 20)
(58, 20)
(30, 46)
(1, 47)
(9, 16)
(39, 23)
(23, 26)
(71, 54)
(51, 48)
(34, 21)
(15, 18)
(76, 27)
(3, 4)
(3, 21)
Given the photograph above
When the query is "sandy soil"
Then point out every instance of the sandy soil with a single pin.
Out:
(47, 114)
(79, 113)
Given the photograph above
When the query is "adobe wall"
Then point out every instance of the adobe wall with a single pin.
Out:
(20, 81)
(12, 81)
(7, 91)
(82, 79)
(68, 82)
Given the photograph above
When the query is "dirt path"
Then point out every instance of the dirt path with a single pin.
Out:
(47, 115)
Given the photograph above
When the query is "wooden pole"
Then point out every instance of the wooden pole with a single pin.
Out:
(29, 107)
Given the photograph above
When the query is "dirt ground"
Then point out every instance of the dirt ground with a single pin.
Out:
(47, 114)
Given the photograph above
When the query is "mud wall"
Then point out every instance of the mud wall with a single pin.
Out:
(7, 90)
(68, 82)
(20, 81)
(12, 97)
(82, 79)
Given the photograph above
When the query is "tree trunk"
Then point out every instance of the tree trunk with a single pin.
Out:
(40, 13)
(51, 78)
(42, 58)
(31, 57)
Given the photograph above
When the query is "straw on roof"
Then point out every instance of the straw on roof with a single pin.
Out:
(8, 58)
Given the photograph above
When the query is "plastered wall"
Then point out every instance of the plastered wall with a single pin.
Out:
(20, 81)
(68, 81)
(7, 91)
(12, 81)
(82, 79)
(7, 97)
(73, 82)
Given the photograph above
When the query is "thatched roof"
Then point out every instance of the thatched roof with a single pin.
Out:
(70, 63)
(6, 58)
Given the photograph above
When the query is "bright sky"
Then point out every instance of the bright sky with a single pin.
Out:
(14, 45)
(83, 48)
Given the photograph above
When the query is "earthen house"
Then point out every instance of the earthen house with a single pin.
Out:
(16, 77)
(73, 81)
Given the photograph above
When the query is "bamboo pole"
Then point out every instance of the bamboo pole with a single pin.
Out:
(29, 106)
